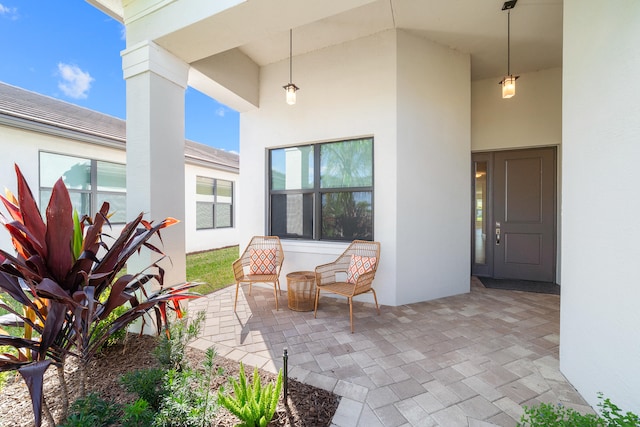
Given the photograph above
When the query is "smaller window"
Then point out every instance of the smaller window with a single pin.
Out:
(214, 203)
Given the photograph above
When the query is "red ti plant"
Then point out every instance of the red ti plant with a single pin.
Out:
(62, 269)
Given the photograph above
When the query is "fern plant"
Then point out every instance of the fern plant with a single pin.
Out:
(253, 404)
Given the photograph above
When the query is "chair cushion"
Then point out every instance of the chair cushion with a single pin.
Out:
(359, 265)
(262, 261)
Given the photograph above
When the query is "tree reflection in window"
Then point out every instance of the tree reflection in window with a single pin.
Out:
(340, 188)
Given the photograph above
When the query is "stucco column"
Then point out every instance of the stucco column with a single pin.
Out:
(156, 82)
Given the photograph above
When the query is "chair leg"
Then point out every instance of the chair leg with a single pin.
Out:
(249, 288)
(376, 300)
(275, 294)
(279, 288)
(315, 311)
(236, 301)
(351, 313)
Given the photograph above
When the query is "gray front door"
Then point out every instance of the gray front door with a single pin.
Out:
(519, 215)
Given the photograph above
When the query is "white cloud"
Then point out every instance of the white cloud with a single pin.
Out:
(220, 112)
(75, 83)
(9, 12)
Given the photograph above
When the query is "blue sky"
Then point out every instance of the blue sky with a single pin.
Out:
(72, 53)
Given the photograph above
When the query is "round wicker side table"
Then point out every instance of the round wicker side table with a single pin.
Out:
(301, 290)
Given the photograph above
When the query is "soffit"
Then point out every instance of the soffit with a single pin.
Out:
(470, 26)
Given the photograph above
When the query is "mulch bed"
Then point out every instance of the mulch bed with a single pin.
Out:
(307, 405)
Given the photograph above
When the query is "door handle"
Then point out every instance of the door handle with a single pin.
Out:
(497, 237)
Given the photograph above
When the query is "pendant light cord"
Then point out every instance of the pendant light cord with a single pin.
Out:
(509, 42)
(290, 55)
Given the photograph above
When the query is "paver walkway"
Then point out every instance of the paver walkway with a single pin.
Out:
(466, 360)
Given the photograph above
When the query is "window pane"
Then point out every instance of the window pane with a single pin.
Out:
(204, 215)
(204, 186)
(292, 168)
(292, 215)
(480, 222)
(111, 176)
(346, 164)
(223, 216)
(117, 206)
(75, 172)
(224, 191)
(347, 216)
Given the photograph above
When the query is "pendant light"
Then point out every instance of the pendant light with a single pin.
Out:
(290, 88)
(508, 83)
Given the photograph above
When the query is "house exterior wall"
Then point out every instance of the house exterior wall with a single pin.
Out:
(599, 333)
(532, 118)
(22, 148)
(335, 102)
(355, 89)
(433, 130)
(202, 240)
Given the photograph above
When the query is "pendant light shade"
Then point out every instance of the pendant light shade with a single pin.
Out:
(508, 86)
(508, 83)
(290, 88)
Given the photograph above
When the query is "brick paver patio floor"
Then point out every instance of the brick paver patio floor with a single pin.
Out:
(467, 360)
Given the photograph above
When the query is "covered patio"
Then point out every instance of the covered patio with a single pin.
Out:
(467, 360)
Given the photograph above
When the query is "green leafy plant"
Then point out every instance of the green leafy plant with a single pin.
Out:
(170, 350)
(62, 268)
(92, 411)
(187, 402)
(178, 394)
(138, 414)
(148, 384)
(613, 415)
(253, 404)
(547, 415)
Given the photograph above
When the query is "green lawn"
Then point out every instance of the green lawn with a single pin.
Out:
(213, 268)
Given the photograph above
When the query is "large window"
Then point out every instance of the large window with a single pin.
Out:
(322, 191)
(90, 183)
(214, 203)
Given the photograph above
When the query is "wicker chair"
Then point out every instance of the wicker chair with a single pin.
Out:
(359, 256)
(260, 262)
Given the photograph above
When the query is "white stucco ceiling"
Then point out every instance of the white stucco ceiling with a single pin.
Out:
(478, 27)
(260, 28)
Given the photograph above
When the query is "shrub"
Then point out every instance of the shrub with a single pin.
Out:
(547, 415)
(138, 414)
(170, 350)
(92, 411)
(179, 395)
(253, 404)
(187, 402)
(148, 384)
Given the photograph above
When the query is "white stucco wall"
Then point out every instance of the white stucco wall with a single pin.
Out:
(22, 148)
(600, 310)
(346, 91)
(433, 182)
(532, 118)
(354, 89)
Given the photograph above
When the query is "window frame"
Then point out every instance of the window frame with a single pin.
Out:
(317, 191)
(215, 203)
(92, 191)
